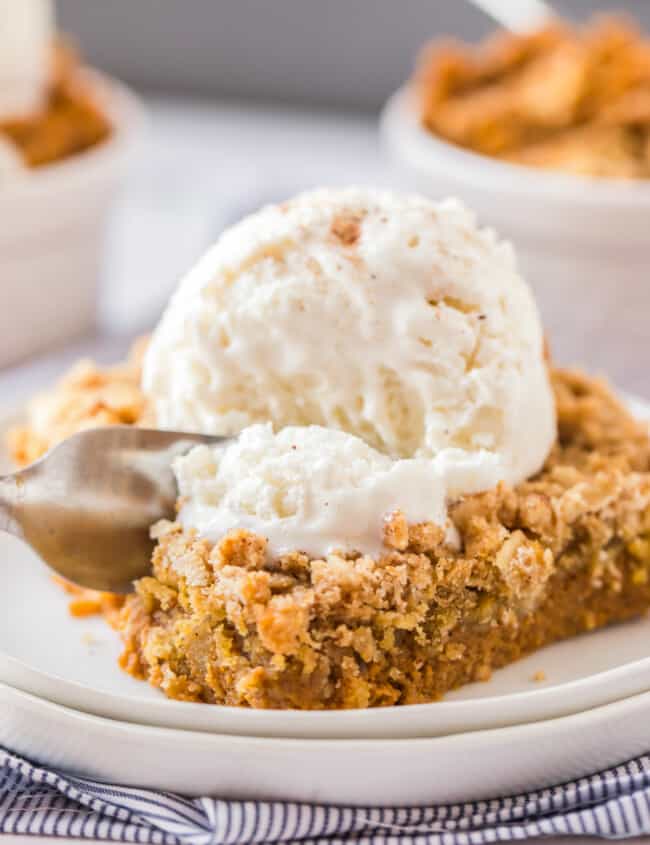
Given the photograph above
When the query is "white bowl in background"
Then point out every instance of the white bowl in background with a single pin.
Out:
(52, 226)
(583, 243)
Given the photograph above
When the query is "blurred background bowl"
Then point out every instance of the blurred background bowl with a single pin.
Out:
(584, 244)
(52, 235)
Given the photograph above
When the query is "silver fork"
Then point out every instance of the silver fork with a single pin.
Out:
(87, 506)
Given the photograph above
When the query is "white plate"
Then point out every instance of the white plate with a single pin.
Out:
(369, 772)
(74, 663)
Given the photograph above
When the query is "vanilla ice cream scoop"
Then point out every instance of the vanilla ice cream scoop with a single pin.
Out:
(26, 33)
(390, 318)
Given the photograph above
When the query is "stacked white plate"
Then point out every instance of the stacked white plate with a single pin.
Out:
(65, 703)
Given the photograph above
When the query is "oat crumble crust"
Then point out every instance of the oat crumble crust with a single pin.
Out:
(564, 552)
(559, 98)
(71, 121)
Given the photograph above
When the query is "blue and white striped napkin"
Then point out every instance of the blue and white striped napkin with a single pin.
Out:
(33, 800)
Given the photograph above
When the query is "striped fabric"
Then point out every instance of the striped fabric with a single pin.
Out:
(615, 803)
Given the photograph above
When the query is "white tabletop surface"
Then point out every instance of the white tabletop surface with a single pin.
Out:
(199, 167)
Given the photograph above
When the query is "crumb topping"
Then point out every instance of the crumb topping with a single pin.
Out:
(71, 121)
(560, 98)
(347, 228)
(88, 396)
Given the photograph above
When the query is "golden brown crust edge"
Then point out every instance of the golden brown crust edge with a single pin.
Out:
(281, 643)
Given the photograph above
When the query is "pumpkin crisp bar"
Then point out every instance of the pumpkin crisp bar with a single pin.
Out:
(565, 552)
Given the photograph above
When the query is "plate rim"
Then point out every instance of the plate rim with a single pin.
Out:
(507, 761)
(361, 743)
